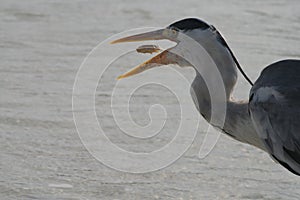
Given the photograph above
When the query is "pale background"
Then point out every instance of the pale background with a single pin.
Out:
(42, 44)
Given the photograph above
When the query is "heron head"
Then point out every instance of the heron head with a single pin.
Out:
(195, 29)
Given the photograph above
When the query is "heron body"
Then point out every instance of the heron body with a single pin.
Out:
(268, 121)
(275, 111)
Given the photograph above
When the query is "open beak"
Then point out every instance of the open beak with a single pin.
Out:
(164, 58)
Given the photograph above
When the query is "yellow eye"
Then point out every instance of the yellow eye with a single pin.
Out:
(173, 33)
(170, 33)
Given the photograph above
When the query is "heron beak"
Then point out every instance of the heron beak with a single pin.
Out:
(164, 58)
(153, 35)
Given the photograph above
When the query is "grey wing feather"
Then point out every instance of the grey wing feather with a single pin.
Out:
(275, 111)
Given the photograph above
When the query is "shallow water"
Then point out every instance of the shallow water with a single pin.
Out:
(42, 44)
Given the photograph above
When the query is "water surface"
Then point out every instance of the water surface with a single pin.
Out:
(42, 44)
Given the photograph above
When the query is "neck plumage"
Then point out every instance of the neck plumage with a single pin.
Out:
(238, 123)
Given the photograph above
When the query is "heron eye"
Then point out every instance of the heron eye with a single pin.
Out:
(173, 32)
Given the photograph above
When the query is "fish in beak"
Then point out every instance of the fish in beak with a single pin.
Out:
(164, 58)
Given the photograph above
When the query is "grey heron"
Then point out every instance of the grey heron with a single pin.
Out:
(269, 120)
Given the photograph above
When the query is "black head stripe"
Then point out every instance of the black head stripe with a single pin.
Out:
(223, 42)
(189, 23)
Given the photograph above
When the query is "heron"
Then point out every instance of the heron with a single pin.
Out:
(268, 120)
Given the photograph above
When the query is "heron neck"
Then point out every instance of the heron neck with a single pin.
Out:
(238, 123)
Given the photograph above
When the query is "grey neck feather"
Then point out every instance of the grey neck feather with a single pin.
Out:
(238, 123)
